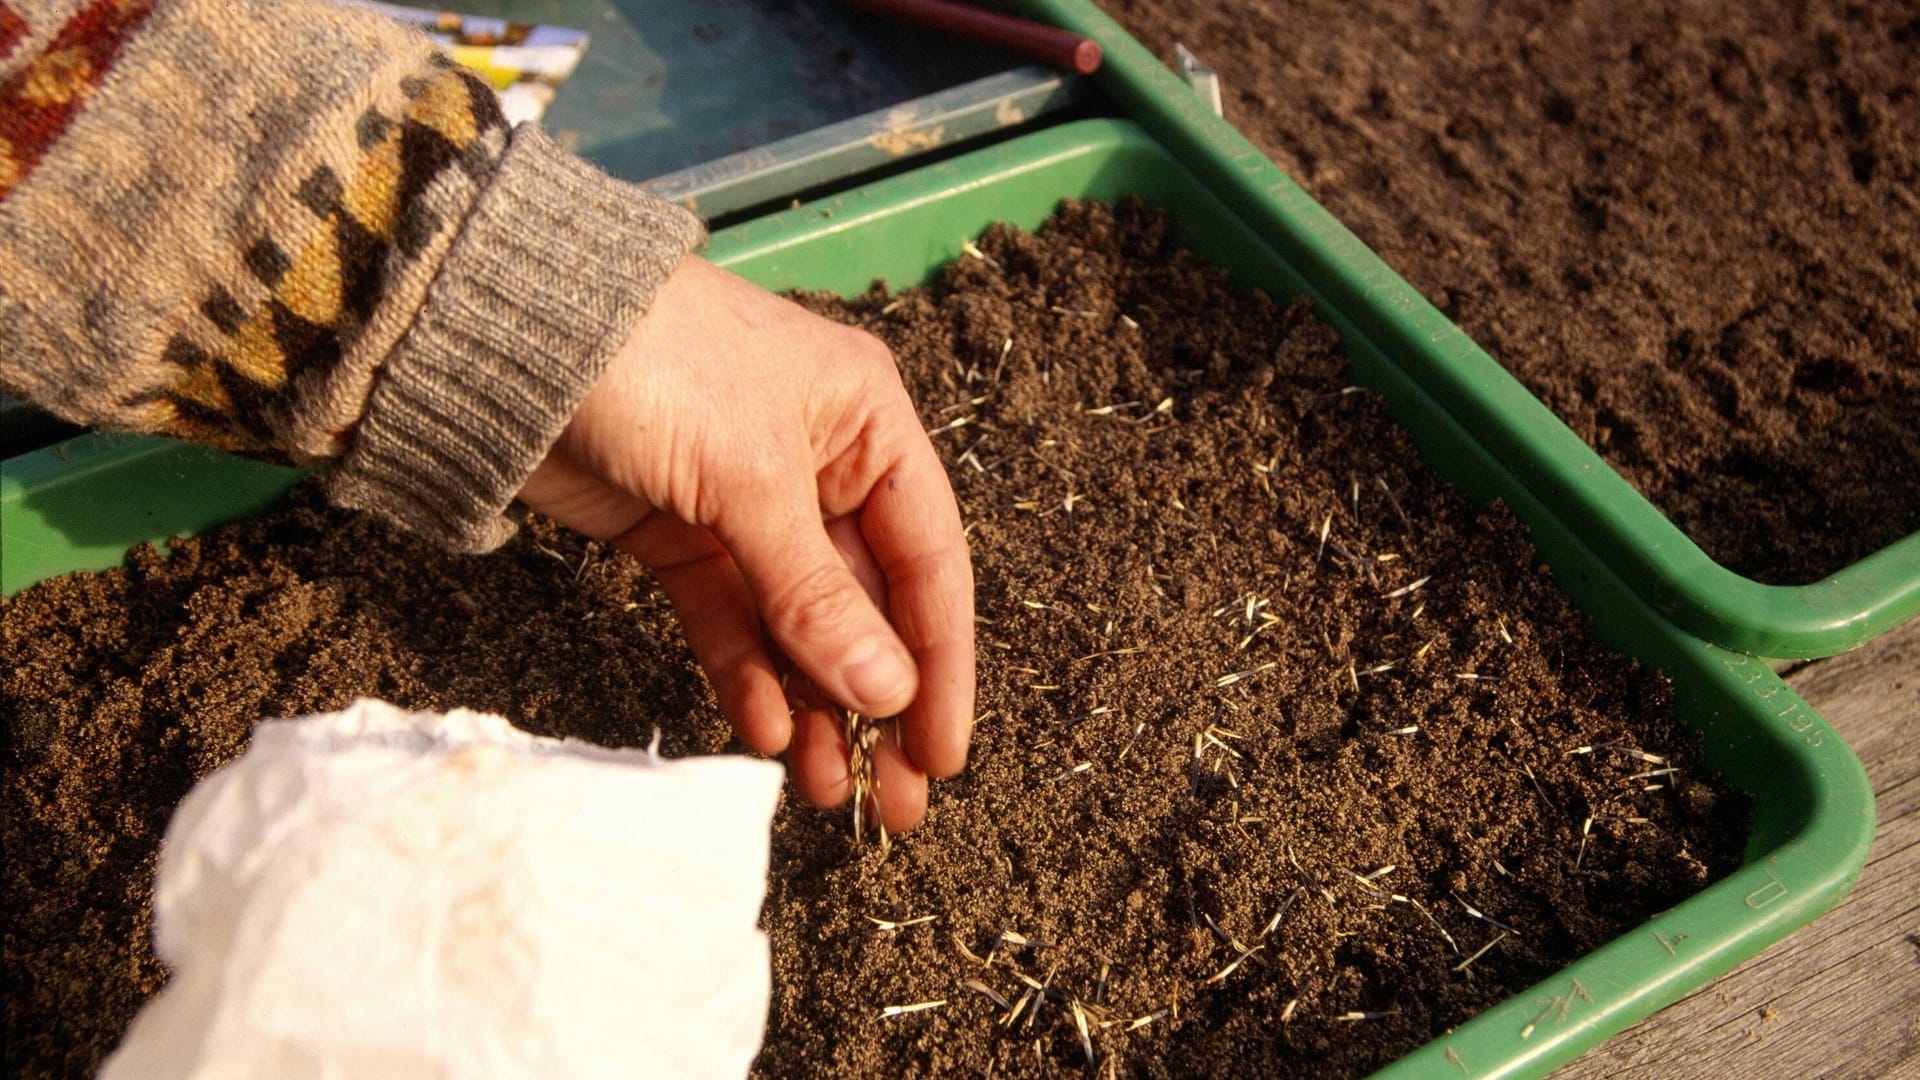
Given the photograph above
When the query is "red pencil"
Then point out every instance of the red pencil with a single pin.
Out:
(1046, 44)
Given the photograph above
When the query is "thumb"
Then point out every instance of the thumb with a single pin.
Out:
(815, 608)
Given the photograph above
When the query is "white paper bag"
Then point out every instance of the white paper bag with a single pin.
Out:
(383, 894)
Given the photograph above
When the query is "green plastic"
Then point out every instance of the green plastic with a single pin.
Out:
(80, 504)
(1813, 818)
(1647, 550)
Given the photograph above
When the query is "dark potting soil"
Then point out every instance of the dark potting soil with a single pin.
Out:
(1251, 677)
(1693, 229)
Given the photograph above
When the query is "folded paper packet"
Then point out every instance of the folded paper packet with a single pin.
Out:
(378, 893)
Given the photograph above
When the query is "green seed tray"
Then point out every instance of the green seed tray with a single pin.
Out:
(81, 504)
(1647, 550)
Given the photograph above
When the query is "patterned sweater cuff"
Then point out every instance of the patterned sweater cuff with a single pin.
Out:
(552, 268)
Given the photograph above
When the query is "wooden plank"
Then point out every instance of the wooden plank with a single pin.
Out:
(1840, 998)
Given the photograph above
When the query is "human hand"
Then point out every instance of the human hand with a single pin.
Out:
(767, 465)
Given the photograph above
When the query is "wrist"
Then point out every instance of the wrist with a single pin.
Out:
(554, 266)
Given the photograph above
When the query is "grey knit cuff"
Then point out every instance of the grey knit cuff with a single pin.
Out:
(554, 265)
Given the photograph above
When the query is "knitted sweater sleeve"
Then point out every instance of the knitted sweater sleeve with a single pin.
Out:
(292, 229)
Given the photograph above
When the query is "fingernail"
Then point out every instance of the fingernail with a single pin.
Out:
(876, 672)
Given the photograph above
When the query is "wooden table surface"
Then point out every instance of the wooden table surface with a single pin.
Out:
(1840, 997)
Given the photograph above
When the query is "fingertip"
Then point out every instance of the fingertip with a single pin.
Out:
(880, 677)
(942, 754)
(944, 761)
(770, 736)
(913, 529)
(938, 730)
(759, 712)
(817, 763)
(817, 758)
(903, 787)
